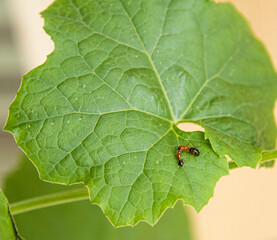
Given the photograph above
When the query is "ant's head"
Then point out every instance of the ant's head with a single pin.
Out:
(194, 151)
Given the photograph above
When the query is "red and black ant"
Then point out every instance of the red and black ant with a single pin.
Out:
(192, 151)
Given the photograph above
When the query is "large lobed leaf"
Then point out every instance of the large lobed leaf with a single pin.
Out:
(103, 108)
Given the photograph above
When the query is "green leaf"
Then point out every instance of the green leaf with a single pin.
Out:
(81, 220)
(103, 108)
(7, 228)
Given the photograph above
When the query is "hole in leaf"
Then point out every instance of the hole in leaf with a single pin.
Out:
(190, 127)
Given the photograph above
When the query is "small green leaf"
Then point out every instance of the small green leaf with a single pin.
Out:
(103, 109)
(7, 229)
(82, 220)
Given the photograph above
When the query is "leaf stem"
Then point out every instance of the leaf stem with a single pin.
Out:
(48, 200)
(266, 156)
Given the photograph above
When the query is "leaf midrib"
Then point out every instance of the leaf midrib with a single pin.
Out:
(149, 59)
(172, 120)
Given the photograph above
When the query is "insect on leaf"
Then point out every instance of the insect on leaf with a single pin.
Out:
(103, 109)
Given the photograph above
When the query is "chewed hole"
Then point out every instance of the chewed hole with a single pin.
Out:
(190, 127)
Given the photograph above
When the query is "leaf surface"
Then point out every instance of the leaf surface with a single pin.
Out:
(104, 108)
(82, 220)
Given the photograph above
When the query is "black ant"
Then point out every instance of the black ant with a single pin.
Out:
(192, 151)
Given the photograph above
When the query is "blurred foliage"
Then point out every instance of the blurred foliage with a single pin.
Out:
(81, 220)
(269, 164)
